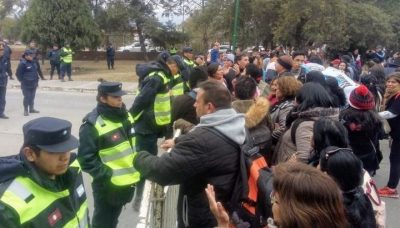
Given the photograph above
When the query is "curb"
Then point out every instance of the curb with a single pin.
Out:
(62, 89)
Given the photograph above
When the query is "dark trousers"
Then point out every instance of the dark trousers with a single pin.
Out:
(65, 69)
(394, 158)
(110, 62)
(3, 90)
(105, 215)
(29, 96)
(8, 69)
(54, 66)
(145, 143)
(39, 70)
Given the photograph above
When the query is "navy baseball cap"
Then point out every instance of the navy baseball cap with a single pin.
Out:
(187, 49)
(28, 52)
(111, 89)
(50, 134)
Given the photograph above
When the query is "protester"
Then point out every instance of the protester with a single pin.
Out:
(215, 53)
(337, 93)
(302, 197)
(229, 72)
(370, 81)
(286, 91)
(216, 72)
(327, 132)
(272, 93)
(256, 110)
(204, 155)
(392, 115)
(284, 65)
(183, 112)
(299, 58)
(241, 62)
(313, 102)
(364, 127)
(347, 170)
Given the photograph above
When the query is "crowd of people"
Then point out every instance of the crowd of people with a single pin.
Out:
(321, 143)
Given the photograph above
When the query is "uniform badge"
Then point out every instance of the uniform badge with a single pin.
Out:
(115, 137)
(54, 217)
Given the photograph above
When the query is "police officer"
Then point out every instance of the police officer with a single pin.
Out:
(35, 51)
(106, 152)
(110, 56)
(3, 81)
(27, 74)
(54, 56)
(42, 186)
(152, 109)
(7, 56)
(187, 55)
(66, 62)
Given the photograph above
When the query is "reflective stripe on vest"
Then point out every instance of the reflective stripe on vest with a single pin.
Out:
(68, 57)
(30, 200)
(188, 62)
(162, 103)
(119, 157)
(178, 86)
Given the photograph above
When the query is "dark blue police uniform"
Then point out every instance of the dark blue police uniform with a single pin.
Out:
(35, 53)
(27, 74)
(110, 57)
(7, 57)
(3, 86)
(54, 56)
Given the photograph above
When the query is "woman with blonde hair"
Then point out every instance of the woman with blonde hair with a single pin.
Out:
(392, 115)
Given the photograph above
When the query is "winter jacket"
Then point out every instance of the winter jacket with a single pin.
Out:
(279, 113)
(182, 108)
(15, 166)
(110, 52)
(144, 104)
(214, 55)
(27, 74)
(54, 56)
(257, 118)
(89, 158)
(198, 158)
(303, 135)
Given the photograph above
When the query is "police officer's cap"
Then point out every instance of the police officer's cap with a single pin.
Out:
(28, 52)
(111, 89)
(187, 49)
(50, 134)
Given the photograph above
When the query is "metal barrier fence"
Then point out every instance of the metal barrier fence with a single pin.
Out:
(158, 208)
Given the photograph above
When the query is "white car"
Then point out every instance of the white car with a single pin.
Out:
(135, 47)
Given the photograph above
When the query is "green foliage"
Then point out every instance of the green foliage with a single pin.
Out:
(10, 28)
(60, 21)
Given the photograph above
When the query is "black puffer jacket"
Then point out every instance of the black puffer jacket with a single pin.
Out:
(198, 158)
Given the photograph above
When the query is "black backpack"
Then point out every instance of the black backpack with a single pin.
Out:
(250, 201)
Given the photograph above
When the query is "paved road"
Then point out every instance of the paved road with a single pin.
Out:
(73, 106)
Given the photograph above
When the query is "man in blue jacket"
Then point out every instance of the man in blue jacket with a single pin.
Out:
(27, 74)
(3, 81)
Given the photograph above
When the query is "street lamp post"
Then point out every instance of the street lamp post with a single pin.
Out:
(235, 25)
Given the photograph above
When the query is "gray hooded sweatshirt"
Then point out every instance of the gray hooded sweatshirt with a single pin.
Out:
(228, 122)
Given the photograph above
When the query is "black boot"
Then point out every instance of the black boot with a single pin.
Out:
(26, 111)
(32, 110)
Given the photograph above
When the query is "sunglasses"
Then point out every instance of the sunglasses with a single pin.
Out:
(332, 152)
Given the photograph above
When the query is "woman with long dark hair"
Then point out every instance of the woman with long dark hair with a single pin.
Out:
(364, 127)
(346, 169)
(392, 114)
(312, 103)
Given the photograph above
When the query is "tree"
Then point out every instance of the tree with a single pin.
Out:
(10, 28)
(60, 21)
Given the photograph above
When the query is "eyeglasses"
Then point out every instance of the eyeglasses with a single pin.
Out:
(332, 152)
(273, 198)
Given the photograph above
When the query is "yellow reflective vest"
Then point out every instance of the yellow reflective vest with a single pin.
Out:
(37, 206)
(178, 88)
(117, 150)
(67, 58)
